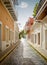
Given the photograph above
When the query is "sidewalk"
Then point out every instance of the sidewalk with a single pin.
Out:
(5, 53)
(41, 51)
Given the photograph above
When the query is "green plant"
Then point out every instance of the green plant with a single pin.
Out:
(35, 10)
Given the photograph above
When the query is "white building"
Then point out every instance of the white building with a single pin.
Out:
(39, 34)
(16, 32)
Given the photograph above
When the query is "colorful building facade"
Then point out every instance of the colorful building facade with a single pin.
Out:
(7, 18)
(28, 25)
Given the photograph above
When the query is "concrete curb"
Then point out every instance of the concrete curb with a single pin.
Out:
(1, 59)
(45, 58)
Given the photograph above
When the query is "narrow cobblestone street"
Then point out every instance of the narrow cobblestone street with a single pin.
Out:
(23, 32)
(24, 54)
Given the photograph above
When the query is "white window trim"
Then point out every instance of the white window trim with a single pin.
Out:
(0, 22)
(1, 29)
(7, 27)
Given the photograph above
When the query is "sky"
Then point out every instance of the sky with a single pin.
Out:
(25, 10)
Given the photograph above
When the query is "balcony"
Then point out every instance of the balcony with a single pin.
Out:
(40, 5)
(42, 10)
(10, 5)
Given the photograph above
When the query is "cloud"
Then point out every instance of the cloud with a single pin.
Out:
(23, 5)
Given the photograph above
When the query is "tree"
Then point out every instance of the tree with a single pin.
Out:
(35, 10)
(21, 34)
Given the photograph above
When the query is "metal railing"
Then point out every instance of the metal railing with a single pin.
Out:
(13, 6)
(40, 5)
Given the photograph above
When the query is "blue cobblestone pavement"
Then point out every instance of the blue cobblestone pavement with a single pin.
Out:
(24, 55)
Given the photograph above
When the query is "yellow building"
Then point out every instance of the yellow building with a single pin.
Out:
(7, 18)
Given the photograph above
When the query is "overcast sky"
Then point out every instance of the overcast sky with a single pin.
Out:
(25, 10)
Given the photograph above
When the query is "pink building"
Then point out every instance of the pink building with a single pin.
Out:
(28, 25)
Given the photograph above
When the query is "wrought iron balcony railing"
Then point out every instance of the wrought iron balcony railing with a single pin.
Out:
(40, 5)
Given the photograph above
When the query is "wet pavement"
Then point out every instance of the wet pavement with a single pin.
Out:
(24, 54)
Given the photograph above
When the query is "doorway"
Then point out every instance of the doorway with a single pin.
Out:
(39, 38)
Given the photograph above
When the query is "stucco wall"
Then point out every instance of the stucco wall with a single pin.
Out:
(6, 19)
